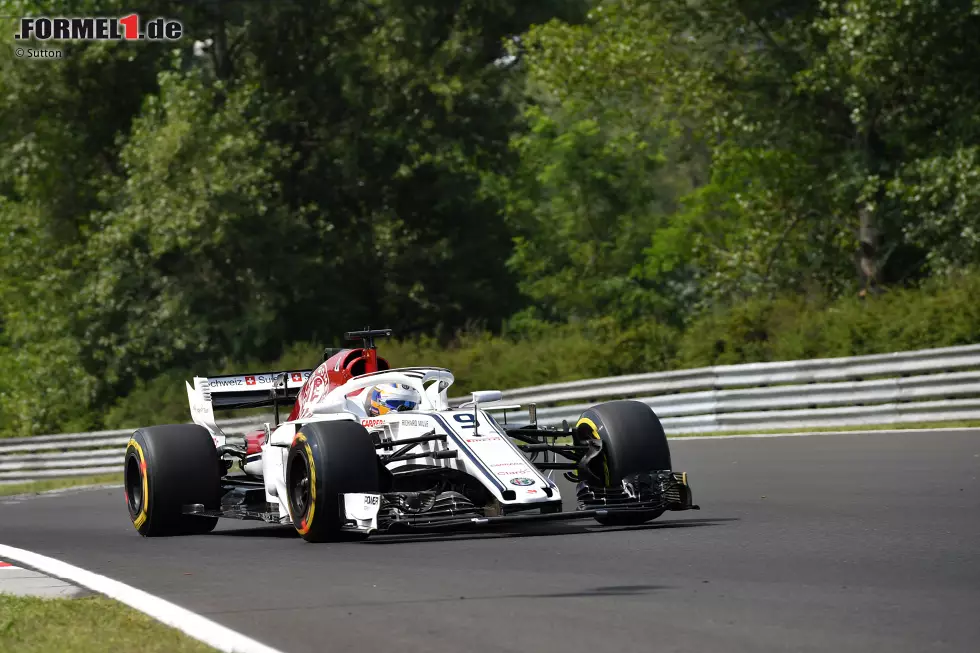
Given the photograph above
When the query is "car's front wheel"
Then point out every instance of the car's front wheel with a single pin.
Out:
(325, 461)
(633, 441)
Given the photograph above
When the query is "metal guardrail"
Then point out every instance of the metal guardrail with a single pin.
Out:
(79, 454)
(933, 385)
(857, 368)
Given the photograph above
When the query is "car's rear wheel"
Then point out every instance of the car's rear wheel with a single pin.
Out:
(326, 460)
(166, 468)
(633, 441)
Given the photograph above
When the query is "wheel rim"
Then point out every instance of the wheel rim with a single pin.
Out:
(299, 489)
(134, 485)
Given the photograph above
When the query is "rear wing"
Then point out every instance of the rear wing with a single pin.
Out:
(253, 390)
(242, 391)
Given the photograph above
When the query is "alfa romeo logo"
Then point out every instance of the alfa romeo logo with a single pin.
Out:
(521, 481)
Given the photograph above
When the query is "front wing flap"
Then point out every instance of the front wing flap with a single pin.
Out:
(662, 490)
(359, 512)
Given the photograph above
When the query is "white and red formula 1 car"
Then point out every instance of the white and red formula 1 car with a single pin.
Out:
(333, 470)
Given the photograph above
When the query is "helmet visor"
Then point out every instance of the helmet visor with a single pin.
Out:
(399, 404)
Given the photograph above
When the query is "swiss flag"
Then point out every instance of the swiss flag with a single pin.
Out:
(297, 377)
(249, 380)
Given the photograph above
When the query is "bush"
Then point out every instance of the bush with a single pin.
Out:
(937, 314)
(532, 352)
(162, 400)
(478, 360)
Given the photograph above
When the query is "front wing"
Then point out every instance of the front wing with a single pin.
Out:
(650, 493)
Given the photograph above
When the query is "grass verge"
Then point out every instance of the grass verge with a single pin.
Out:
(33, 487)
(87, 625)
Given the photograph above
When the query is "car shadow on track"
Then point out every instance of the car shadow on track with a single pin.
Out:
(589, 592)
(264, 530)
(613, 590)
(539, 530)
(484, 532)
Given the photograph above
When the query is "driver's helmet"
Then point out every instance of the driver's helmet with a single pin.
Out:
(389, 397)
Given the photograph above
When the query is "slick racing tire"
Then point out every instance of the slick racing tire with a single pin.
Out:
(327, 459)
(633, 441)
(166, 468)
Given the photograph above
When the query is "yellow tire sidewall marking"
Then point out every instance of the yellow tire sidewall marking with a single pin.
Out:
(592, 426)
(595, 433)
(303, 530)
(142, 516)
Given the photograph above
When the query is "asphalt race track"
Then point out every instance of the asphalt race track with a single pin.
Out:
(822, 543)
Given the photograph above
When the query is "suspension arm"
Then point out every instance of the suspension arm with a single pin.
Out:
(428, 437)
(568, 466)
(447, 453)
(534, 435)
(406, 445)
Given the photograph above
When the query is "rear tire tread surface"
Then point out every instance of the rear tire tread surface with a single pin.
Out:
(167, 467)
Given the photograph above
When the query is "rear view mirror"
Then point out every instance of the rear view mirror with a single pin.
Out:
(484, 396)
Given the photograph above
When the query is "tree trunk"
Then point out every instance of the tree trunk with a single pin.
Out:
(222, 58)
(868, 248)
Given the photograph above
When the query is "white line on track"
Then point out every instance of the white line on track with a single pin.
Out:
(803, 434)
(189, 623)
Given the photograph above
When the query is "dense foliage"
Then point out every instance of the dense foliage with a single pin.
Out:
(688, 181)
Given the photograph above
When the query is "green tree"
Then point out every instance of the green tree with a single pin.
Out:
(60, 122)
(318, 167)
(823, 118)
(604, 162)
(190, 259)
(396, 111)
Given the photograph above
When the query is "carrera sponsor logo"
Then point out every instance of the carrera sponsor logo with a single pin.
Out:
(521, 481)
(508, 465)
(372, 422)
